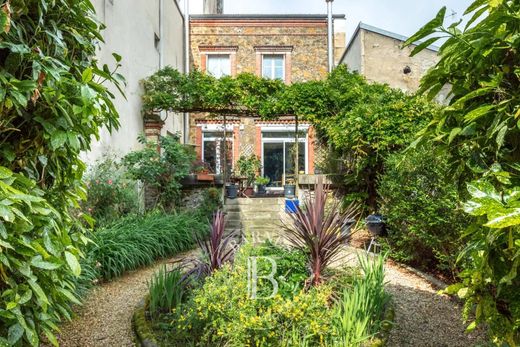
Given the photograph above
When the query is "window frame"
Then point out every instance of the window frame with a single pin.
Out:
(219, 54)
(215, 139)
(273, 66)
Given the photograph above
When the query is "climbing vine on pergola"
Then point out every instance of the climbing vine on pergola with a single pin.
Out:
(362, 121)
(243, 96)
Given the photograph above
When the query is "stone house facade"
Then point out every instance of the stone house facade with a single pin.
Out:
(288, 47)
(378, 55)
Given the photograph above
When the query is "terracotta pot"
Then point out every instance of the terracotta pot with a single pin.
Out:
(249, 192)
(205, 177)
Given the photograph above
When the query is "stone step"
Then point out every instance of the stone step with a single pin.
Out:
(253, 208)
(256, 201)
(233, 224)
(262, 223)
(271, 215)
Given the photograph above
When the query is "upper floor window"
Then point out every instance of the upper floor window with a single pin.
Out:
(218, 65)
(273, 66)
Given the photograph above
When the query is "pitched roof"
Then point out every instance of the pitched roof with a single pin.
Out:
(373, 29)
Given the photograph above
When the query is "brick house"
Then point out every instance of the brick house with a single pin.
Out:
(288, 47)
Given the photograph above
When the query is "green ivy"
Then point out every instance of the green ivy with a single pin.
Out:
(52, 104)
(361, 121)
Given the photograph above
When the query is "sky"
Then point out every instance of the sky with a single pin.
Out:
(403, 17)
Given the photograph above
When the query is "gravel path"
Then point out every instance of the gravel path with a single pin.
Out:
(422, 317)
(105, 319)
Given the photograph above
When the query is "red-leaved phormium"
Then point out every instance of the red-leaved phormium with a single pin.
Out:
(319, 230)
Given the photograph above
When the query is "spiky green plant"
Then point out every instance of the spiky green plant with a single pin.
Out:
(359, 311)
(137, 241)
(317, 230)
(166, 291)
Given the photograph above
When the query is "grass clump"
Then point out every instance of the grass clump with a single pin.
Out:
(137, 241)
(166, 291)
(358, 312)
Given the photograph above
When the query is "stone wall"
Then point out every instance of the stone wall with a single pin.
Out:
(384, 61)
(307, 39)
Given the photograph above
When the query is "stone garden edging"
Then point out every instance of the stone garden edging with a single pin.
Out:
(142, 329)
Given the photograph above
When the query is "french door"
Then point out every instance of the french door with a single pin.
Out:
(278, 158)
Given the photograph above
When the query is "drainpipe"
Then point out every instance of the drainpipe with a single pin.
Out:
(186, 63)
(161, 34)
(330, 35)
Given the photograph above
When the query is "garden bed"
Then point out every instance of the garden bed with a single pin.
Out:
(350, 307)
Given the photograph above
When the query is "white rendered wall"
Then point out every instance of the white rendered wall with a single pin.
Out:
(131, 29)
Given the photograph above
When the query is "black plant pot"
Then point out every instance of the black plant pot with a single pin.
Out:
(189, 180)
(375, 225)
(232, 191)
(261, 190)
(289, 190)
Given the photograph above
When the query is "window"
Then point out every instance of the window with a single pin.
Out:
(218, 65)
(273, 66)
(213, 151)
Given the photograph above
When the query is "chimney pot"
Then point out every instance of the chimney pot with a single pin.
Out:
(213, 6)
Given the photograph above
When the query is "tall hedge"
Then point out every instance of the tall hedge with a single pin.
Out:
(52, 105)
(425, 219)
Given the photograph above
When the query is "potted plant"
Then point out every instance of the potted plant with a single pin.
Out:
(289, 189)
(261, 183)
(203, 171)
(231, 191)
(247, 168)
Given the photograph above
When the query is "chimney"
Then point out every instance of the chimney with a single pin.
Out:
(213, 6)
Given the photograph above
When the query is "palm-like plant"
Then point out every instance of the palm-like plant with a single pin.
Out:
(216, 251)
(317, 231)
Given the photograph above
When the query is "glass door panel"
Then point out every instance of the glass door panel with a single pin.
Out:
(274, 163)
(289, 158)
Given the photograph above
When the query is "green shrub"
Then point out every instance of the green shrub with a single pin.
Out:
(212, 202)
(136, 241)
(166, 291)
(222, 312)
(161, 170)
(371, 122)
(52, 106)
(229, 315)
(421, 207)
(110, 195)
(37, 262)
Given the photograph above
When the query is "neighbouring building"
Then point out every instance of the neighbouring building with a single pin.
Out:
(340, 41)
(292, 48)
(378, 55)
(147, 35)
